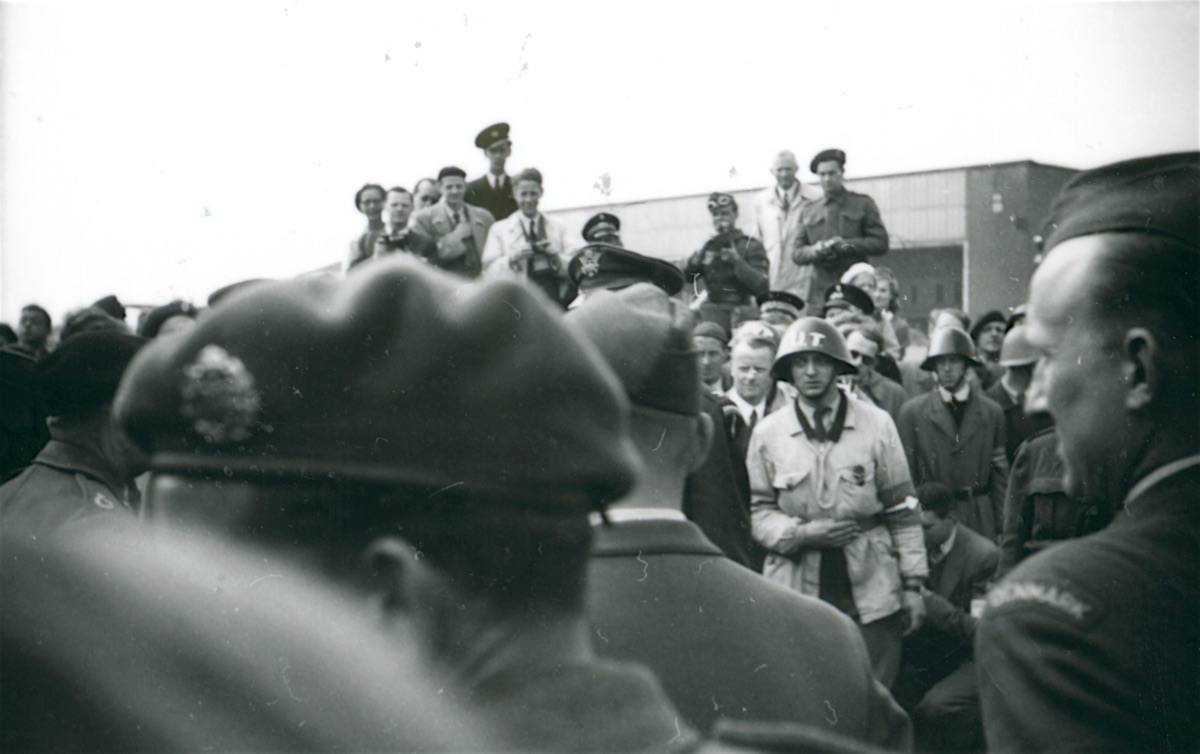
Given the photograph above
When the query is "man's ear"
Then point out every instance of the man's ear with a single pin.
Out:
(703, 442)
(1141, 369)
(400, 575)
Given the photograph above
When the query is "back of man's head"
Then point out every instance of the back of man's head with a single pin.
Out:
(318, 414)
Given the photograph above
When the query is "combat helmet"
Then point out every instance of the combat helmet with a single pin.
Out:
(949, 341)
(811, 335)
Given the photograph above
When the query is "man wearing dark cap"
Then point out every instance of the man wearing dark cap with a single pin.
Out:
(712, 349)
(988, 334)
(844, 297)
(459, 229)
(780, 308)
(732, 265)
(33, 333)
(603, 227)
(601, 266)
(452, 444)
(494, 190)
(839, 229)
(84, 474)
(749, 649)
(1095, 643)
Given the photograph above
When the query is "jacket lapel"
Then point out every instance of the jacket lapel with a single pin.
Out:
(939, 416)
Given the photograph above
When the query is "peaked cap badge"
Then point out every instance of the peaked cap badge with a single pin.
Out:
(219, 396)
(589, 262)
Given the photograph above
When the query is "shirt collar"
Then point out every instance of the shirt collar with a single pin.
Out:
(745, 408)
(945, 547)
(810, 412)
(1159, 474)
(792, 194)
(619, 515)
(960, 396)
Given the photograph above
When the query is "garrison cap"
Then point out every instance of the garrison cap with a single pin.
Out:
(601, 222)
(494, 133)
(82, 374)
(601, 265)
(401, 375)
(828, 155)
(844, 295)
(783, 301)
(646, 337)
(1159, 195)
(711, 330)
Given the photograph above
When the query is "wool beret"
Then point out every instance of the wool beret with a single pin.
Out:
(451, 172)
(711, 330)
(828, 155)
(494, 133)
(646, 337)
(112, 306)
(987, 318)
(1158, 195)
(401, 375)
(82, 374)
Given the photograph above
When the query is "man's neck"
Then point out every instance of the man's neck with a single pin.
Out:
(374, 223)
(828, 399)
(454, 207)
(497, 171)
(654, 490)
(499, 650)
(528, 216)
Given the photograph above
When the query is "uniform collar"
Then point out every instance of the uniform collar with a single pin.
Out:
(68, 456)
(1159, 474)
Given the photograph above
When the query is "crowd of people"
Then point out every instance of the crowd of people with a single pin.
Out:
(493, 488)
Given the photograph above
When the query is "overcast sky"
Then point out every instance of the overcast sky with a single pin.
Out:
(161, 150)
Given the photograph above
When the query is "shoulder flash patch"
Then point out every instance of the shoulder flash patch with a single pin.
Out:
(1045, 594)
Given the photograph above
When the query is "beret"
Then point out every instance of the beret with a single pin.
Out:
(717, 200)
(83, 372)
(601, 265)
(828, 155)
(158, 316)
(492, 134)
(401, 375)
(646, 337)
(782, 300)
(842, 295)
(1159, 195)
(596, 221)
(986, 319)
(90, 319)
(711, 330)
(451, 171)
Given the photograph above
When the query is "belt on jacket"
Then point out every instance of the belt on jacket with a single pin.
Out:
(966, 493)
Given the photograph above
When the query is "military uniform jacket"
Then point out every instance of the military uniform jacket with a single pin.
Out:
(1094, 644)
(499, 201)
(862, 477)
(727, 643)
(1017, 426)
(66, 484)
(459, 249)
(733, 281)
(967, 457)
(855, 218)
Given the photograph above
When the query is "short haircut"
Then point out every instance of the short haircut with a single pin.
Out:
(35, 308)
(451, 172)
(367, 187)
(754, 342)
(935, 497)
(513, 553)
(528, 174)
(871, 332)
(399, 190)
(430, 181)
(1152, 282)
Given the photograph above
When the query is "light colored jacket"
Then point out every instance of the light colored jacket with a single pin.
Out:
(861, 477)
(459, 249)
(507, 238)
(778, 231)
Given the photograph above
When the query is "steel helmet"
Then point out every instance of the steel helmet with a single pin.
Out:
(811, 335)
(1016, 351)
(949, 341)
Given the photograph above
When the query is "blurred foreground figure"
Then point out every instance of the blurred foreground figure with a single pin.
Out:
(434, 445)
(1094, 644)
(113, 642)
(726, 642)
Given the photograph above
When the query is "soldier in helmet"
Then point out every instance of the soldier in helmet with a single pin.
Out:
(954, 434)
(1017, 357)
(831, 497)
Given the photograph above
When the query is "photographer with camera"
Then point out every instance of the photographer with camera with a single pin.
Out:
(529, 245)
(732, 265)
(396, 235)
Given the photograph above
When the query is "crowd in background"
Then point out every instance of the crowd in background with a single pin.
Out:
(748, 474)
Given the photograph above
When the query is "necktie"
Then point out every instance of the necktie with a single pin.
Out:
(819, 422)
(787, 203)
(753, 422)
(457, 219)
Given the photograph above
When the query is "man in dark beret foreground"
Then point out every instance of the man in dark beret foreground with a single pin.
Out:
(1094, 644)
(726, 642)
(440, 447)
(84, 474)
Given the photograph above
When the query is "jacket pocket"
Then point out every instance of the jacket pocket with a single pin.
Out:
(856, 491)
(793, 492)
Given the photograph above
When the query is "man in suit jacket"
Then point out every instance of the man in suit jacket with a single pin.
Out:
(755, 393)
(937, 678)
(777, 220)
(724, 641)
(493, 191)
(459, 229)
(955, 435)
(530, 246)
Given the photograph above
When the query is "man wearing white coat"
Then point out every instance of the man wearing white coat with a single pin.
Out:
(777, 219)
(529, 245)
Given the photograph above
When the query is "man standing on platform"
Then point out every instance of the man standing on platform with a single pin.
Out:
(459, 229)
(494, 191)
(777, 219)
(838, 230)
